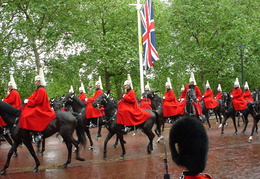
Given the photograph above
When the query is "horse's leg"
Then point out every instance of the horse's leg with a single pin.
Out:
(43, 147)
(234, 123)
(246, 123)
(69, 148)
(9, 140)
(109, 135)
(99, 132)
(76, 144)
(28, 143)
(223, 124)
(89, 137)
(122, 143)
(148, 131)
(216, 115)
(207, 118)
(9, 155)
(252, 131)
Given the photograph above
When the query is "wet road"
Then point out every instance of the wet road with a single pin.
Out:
(229, 157)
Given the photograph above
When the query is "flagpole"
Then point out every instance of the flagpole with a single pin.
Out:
(140, 45)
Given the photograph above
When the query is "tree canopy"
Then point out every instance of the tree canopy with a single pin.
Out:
(78, 41)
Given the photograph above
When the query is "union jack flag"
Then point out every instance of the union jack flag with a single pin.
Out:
(148, 31)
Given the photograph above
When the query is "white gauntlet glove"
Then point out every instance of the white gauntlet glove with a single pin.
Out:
(86, 99)
(25, 101)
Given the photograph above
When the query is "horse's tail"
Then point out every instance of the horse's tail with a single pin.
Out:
(80, 129)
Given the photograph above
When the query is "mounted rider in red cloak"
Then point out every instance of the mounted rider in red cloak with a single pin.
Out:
(193, 85)
(37, 113)
(237, 98)
(208, 97)
(91, 112)
(13, 98)
(129, 113)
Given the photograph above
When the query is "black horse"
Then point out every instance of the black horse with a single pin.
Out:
(230, 112)
(189, 108)
(113, 128)
(65, 124)
(157, 107)
(256, 108)
(79, 110)
(218, 111)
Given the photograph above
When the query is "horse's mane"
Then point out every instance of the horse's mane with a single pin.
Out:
(78, 101)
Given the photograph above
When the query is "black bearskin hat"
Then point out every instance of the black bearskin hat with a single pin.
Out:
(189, 144)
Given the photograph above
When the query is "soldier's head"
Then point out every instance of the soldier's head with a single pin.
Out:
(127, 84)
(188, 142)
(37, 80)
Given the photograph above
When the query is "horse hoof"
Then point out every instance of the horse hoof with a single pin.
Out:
(35, 170)
(80, 159)
(235, 133)
(250, 139)
(15, 155)
(64, 165)
(134, 134)
(209, 128)
(122, 156)
(220, 125)
(222, 132)
(90, 148)
(2, 172)
(114, 146)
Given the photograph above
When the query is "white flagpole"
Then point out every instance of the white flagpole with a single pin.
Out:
(140, 45)
(140, 48)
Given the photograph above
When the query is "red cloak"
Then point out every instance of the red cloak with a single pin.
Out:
(37, 113)
(82, 97)
(219, 95)
(14, 99)
(209, 101)
(146, 103)
(238, 101)
(170, 104)
(129, 113)
(92, 112)
(247, 95)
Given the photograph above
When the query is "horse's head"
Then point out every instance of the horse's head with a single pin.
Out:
(68, 99)
(56, 105)
(101, 100)
(191, 95)
(152, 94)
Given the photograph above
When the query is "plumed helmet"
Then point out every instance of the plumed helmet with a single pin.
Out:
(188, 142)
(127, 83)
(41, 77)
(99, 83)
(192, 78)
(37, 78)
(168, 83)
(81, 88)
(129, 79)
(207, 84)
(71, 90)
(12, 82)
(219, 87)
(182, 87)
(246, 85)
(236, 84)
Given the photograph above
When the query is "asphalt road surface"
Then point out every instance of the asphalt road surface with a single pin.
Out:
(230, 156)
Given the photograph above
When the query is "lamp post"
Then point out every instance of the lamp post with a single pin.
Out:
(242, 63)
